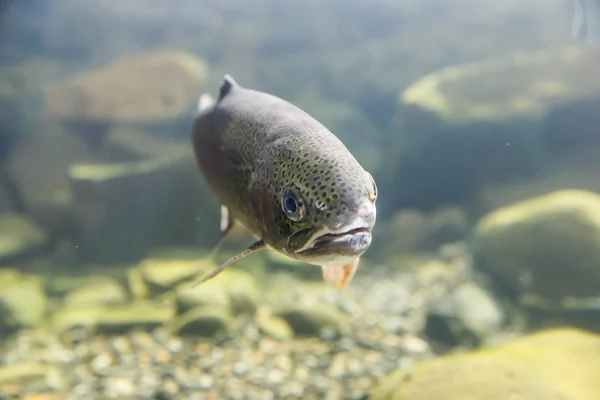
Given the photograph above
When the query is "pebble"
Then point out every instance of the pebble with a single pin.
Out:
(385, 317)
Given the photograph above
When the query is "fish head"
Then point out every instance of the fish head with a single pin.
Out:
(326, 209)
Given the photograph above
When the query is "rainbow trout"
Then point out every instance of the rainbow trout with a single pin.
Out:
(286, 178)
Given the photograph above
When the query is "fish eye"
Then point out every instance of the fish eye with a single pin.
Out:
(291, 206)
(373, 194)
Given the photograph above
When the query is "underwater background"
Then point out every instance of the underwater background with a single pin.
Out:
(479, 121)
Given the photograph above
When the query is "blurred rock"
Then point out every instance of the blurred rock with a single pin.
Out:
(39, 167)
(580, 170)
(23, 374)
(105, 293)
(122, 211)
(19, 237)
(236, 290)
(412, 231)
(272, 326)
(467, 316)
(206, 321)
(163, 274)
(62, 285)
(23, 304)
(548, 246)
(138, 289)
(142, 315)
(474, 124)
(314, 320)
(142, 88)
(201, 296)
(128, 143)
(555, 364)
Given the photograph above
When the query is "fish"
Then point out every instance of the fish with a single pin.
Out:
(284, 177)
(585, 22)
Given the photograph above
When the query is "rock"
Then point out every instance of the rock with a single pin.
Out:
(492, 121)
(234, 289)
(163, 274)
(204, 295)
(39, 167)
(9, 277)
(61, 285)
(206, 321)
(68, 319)
(23, 304)
(243, 290)
(19, 237)
(24, 374)
(142, 315)
(478, 310)
(556, 364)
(102, 293)
(466, 316)
(548, 246)
(412, 231)
(116, 222)
(144, 87)
(127, 143)
(314, 320)
(138, 289)
(272, 326)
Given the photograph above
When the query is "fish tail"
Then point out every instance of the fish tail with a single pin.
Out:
(205, 101)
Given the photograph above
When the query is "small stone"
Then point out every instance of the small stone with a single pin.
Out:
(140, 315)
(273, 326)
(162, 274)
(202, 296)
(203, 321)
(136, 285)
(478, 310)
(102, 293)
(19, 236)
(22, 305)
(313, 320)
(23, 373)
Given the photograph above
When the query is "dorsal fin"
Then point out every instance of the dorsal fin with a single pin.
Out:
(228, 83)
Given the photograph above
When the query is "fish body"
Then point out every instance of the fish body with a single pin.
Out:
(286, 178)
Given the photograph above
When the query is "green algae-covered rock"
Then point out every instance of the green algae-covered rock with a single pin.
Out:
(474, 124)
(314, 320)
(109, 292)
(143, 315)
(203, 321)
(560, 364)
(548, 246)
(233, 289)
(23, 304)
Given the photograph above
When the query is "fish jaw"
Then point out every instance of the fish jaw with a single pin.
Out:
(340, 244)
(335, 248)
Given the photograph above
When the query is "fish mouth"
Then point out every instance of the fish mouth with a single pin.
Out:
(352, 241)
(328, 238)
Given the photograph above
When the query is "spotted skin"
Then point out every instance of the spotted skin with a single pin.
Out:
(256, 150)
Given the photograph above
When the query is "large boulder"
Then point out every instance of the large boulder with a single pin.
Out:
(561, 364)
(491, 121)
(124, 210)
(547, 250)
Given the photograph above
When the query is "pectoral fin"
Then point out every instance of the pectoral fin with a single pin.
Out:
(253, 248)
(340, 276)
(227, 225)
